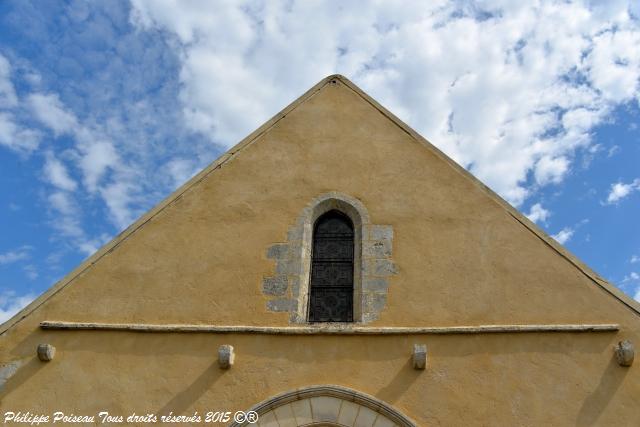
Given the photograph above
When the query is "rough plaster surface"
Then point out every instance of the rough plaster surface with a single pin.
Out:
(461, 258)
(7, 370)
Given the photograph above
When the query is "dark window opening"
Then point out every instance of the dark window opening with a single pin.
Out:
(331, 289)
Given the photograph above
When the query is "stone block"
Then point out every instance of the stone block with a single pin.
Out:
(348, 413)
(419, 356)
(380, 267)
(625, 353)
(278, 251)
(302, 411)
(226, 356)
(374, 302)
(282, 266)
(385, 267)
(285, 416)
(46, 352)
(294, 283)
(375, 284)
(325, 408)
(275, 285)
(295, 233)
(366, 417)
(268, 419)
(383, 421)
(281, 305)
(297, 251)
(380, 232)
(368, 317)
(377, 249)
(287, 266)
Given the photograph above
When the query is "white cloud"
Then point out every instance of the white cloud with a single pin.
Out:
(15, 137)
(49, 110)
(31, 271)
(67, 221)
(94, 156)
(620, 190)
(634, 259)
(181, 170)
(118, 196)
(633, 276)
(511, 95)
(614, 64)
(15, 255)
(62, 202)
(98, 157)
(550, 170)
(8, 96)
(67, 215)
(56, 173)
(613, 151)
(88, 247)
(11, 303)
(564, 235)
(538, 214)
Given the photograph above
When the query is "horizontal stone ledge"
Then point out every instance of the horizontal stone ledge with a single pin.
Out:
(329, 330)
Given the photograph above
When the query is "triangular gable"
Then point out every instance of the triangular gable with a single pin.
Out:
(250, 139)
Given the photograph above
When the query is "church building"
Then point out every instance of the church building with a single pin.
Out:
(332, 269)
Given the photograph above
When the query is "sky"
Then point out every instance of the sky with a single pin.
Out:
(106, 107)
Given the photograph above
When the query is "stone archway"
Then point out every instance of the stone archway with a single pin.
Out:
(327, 406)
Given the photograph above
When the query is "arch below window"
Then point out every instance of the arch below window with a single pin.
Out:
(328, 405)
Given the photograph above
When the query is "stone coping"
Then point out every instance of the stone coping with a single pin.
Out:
(333, 329)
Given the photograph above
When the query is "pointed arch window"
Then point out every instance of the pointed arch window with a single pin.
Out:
(332, 273)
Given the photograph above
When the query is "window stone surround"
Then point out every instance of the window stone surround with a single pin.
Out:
(288, 289)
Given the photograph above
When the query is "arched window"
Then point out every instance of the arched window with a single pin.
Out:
(331, 293)
(335, 265)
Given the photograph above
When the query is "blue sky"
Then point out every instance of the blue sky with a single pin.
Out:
(106, 107)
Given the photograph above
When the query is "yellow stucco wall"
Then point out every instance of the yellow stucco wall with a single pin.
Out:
(463, 259)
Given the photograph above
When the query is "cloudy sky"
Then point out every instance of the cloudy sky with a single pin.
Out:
(108, 106)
